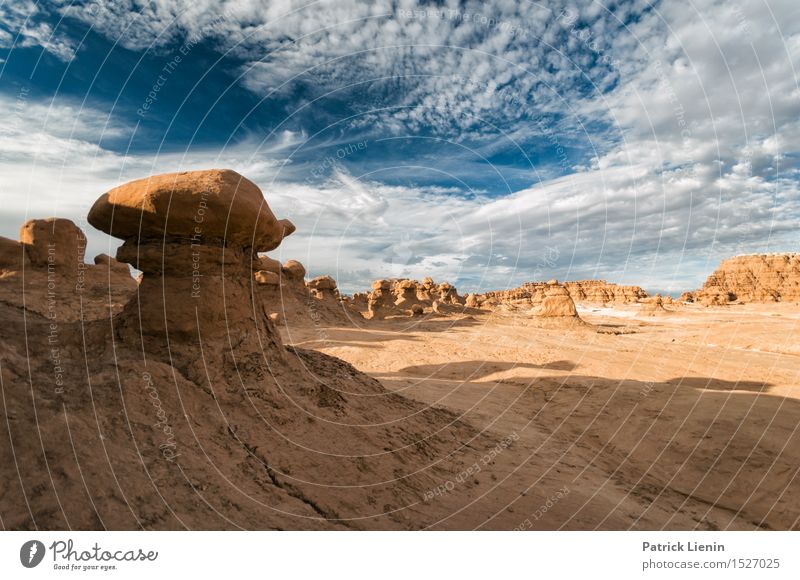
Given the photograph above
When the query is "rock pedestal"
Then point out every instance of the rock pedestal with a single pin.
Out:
(195, 236)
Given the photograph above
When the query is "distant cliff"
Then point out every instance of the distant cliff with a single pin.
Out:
(752, 278)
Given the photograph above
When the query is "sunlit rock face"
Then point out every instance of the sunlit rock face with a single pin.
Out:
(195, 236)
(752, 278)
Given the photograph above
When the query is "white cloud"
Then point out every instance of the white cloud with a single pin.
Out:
(21, 26)
(444, 67)
(621, 222)
(695, 135)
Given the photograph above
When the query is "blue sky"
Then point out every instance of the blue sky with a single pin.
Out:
(486, 143)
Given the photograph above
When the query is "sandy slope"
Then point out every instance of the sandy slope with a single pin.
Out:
(684, 420)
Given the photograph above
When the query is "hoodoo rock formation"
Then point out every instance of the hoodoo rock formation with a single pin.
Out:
(406, 293)
(399, 297)
(381, 301)
(327, 306)
(532, 294)
(45, 273)
(751, 278)
(283, 291)
(602, 292)
(654, 306)
(193, 235)
(556, 303)
(187, 411)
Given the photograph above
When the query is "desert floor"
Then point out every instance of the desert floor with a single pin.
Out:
(684, 420)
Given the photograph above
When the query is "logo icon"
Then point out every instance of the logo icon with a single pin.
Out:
(31, 553)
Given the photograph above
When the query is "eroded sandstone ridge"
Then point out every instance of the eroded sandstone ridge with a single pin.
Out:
(186, 410)
(531, 294)
(295, 301)
(44, 272)
(602, 292)
(751, 278)
(402, 297)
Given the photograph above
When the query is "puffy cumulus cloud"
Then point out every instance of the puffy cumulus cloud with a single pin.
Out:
(719, 84)
(22, 25)
(462, 65)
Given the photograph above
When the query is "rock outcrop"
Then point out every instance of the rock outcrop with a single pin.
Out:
(602, 292)
(557, 302)
(189, 412)
(326, 304)
(381, 301)
(297, 302)
(283, 291)
(549, 299)
(533, 293)
(45, 273)
(398, 297)
(653, 306)
(193, 235)
(522, 298)
(752, 278)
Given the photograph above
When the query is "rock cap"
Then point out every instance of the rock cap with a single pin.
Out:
(206, 207)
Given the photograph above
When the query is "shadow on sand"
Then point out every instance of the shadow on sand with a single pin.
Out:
(477, 369)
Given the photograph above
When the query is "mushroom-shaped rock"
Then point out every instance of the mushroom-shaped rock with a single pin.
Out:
(212, 207)
(381, 301)
(53, 242)
(417, 310)
(194, 235)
